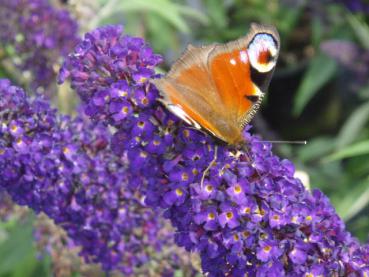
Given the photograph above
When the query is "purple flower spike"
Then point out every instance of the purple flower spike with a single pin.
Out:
(66, 169)
(245, 213)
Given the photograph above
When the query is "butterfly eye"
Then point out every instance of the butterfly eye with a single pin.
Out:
(263, 52)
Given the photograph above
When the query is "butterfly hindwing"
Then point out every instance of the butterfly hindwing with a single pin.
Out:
(244, 87)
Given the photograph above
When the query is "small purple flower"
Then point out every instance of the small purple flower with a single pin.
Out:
(120, 109)
(15, 129)
(237, 192)
(228, 216)
(276, 220)
(209, 216)
(206, 191)
(298, 254)
(268, 250)
(176, 196)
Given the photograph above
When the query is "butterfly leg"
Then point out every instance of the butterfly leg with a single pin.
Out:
(249, 157)
(209, 166)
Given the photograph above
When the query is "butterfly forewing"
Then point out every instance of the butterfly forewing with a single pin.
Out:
(191, 71)
(193, 107)
(230, 69)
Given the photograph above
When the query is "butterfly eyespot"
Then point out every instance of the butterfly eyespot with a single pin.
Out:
(263, 52)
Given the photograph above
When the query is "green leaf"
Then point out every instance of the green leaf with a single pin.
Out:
(288, 18)
(363, 92)
(357, 149)
(17, 254)
(192, 13)
(160, 33)
(178, 273)
(355, 201)
(2, 73)
(315, 149)
(169, 11)
(317, 31)
(353, 125)
(361, 29)
(320, 71)
(217, 12)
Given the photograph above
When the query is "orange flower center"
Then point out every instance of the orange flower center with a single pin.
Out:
(156, 142)
(179, 192)
(211, 216)
(229, 215)
(237, 189)
(145, 101)
(125, 109)
(209, 188)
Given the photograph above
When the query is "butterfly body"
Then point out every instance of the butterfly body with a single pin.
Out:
(219, 87)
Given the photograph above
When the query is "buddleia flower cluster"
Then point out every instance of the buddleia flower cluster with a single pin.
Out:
(65, 169)
(52, 240)
(39, 35)
(243, 211)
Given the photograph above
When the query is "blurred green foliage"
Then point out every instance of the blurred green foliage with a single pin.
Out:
(18, 257)
(313, 96)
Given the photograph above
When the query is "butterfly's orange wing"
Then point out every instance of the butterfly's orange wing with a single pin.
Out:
(234, 88)
(212, 87)
(190, 92)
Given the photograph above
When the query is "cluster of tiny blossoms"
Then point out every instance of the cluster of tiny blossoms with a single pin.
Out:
(40, 34)
(245, 214)
(52, 240)
(65, 169)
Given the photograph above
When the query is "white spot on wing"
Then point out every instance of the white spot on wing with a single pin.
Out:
(243, 56)
(233, 61)
(178, 111)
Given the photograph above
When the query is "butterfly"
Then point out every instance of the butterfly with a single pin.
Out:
(219, 87)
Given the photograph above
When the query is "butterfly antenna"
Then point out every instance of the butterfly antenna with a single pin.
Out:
(209, 166)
